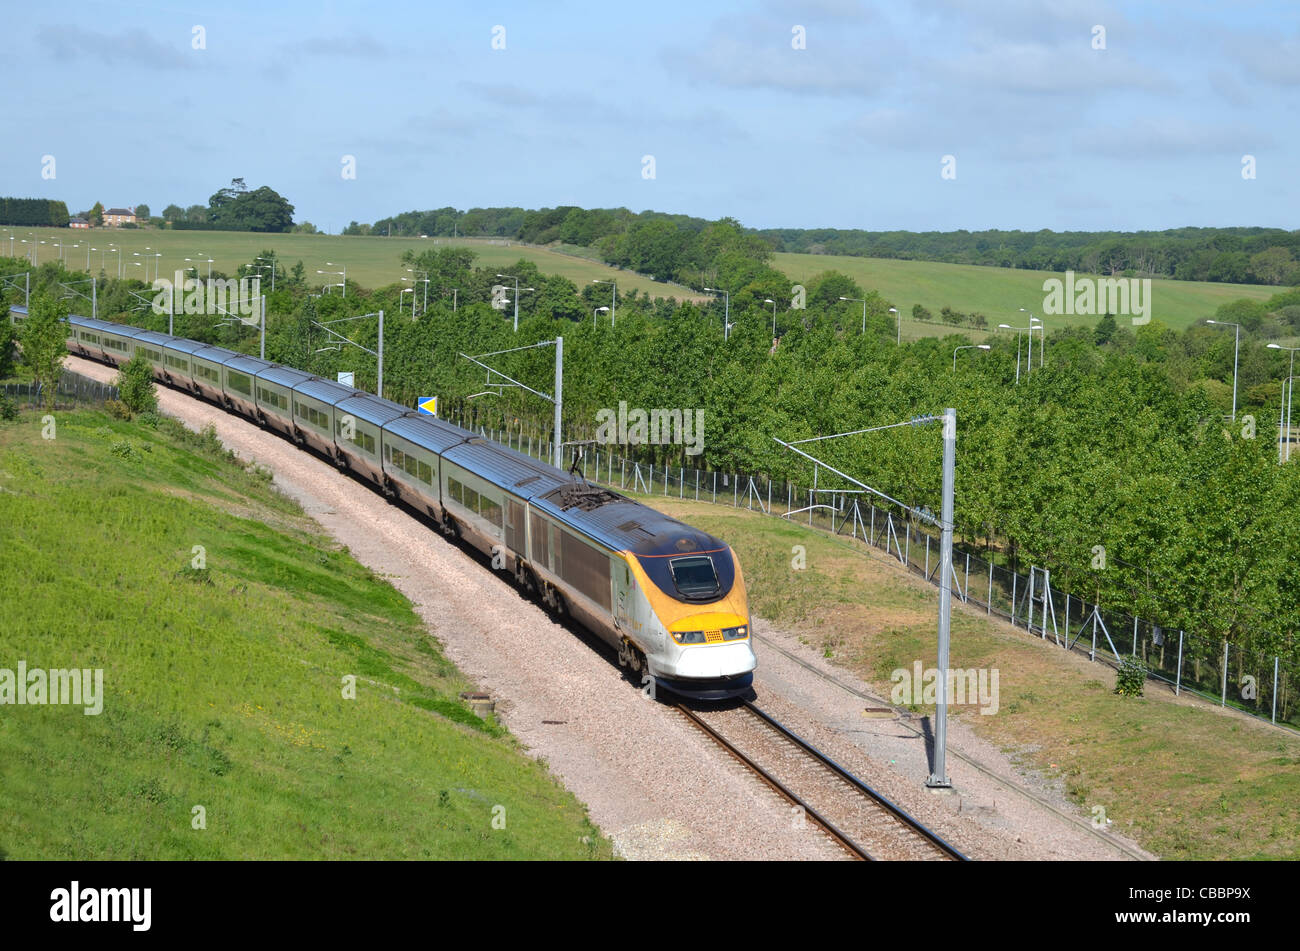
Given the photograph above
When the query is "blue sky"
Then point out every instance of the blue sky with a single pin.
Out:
(850, 132)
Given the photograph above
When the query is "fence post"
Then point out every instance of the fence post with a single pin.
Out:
(735, 492)
(907, 546)
(1014, 578)
(715, 486)
(681, 482)
(927, 557)
(1223, 697)
(966, 587)
(1275, 688)
(1029, 624)
(1135, 636)
(989, 604)
(1178, 679)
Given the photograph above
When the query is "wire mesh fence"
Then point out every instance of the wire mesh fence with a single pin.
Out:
(73, 389)
(1263, 685)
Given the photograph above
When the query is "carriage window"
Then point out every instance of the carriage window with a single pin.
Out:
(490, 510)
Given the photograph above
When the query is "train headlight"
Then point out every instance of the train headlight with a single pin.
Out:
(688, 637)
(735, 633)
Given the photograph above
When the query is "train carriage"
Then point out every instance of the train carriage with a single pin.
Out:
(313, 413)
(412, 447)
(273, 387)
(480, 481)
(207, 364)
(153, 347)
(178, 361)
(237, 380)
(358, 432)
(118, 342)
(83, 336)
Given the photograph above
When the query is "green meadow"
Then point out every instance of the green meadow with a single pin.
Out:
(371, 261)
(998, 292)
(226, 624)
(374, 261)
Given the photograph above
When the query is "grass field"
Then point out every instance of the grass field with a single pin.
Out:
(222, 683)
(1180, 777)
(371, 261)
(999, 292)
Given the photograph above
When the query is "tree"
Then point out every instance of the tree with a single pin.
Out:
(237, 208)
(1106, 328)
(7, 337)
(97, 214)
(135, 384)
(1272, 266)
(141, 212)
(196, 213)
(173, 213)
(45, 342)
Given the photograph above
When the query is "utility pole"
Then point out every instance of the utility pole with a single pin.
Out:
(939, 778)
(559, 401)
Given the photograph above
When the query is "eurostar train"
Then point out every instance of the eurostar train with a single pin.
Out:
(670, 598)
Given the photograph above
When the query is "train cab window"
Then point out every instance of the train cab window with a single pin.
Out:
(695, 577)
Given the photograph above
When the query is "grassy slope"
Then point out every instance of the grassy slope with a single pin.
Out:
(371, 261)
(1181, 778)
(999, 293)
(225, 690)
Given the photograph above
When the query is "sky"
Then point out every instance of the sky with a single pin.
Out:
(937, 115)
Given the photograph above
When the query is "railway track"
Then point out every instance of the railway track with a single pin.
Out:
(859, 819)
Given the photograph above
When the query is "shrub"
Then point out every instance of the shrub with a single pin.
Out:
(1131, 677)
(117, 409)
(135, 383)
(8, 408)
(150, 418)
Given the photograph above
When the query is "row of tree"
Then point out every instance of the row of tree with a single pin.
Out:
(33, 212)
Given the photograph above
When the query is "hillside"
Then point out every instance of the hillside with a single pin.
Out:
(223, 681)
(999, 292)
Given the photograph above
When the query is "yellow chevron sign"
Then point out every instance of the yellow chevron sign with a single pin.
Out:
(428, 404)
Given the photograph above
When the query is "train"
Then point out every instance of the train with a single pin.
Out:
(670, 598)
